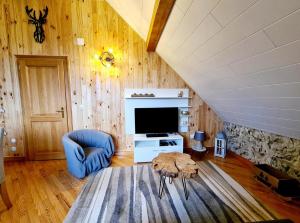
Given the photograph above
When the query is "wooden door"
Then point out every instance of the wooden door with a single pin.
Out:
(44, 86)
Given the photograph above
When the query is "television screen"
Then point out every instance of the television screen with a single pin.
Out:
(156, 120)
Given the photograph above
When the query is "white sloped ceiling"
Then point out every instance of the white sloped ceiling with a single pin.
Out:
(137, 13)
(241, 56)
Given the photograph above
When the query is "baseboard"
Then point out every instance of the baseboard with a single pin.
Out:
(14, 158)
(123, 153)
(240, 157)
(22, 158)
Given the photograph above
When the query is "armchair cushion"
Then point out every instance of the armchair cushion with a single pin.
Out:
(87, 151)
(95, 159)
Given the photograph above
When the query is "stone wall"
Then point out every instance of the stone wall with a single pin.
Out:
(262, 147)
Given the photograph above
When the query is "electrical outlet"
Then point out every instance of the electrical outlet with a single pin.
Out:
(80, 41)
(191, 135)
(13, 149)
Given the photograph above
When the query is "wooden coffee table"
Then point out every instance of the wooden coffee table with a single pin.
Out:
(174, 165)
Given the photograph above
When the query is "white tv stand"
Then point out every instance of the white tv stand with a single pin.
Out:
(147, 148)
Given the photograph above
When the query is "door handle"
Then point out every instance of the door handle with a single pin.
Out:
(62, 112)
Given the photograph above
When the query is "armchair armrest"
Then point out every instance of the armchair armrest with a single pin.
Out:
(72, 149)
(105, 141)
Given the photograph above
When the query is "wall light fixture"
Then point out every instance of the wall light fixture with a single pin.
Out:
(107, 58)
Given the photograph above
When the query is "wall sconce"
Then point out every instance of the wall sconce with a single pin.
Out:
(107, 58)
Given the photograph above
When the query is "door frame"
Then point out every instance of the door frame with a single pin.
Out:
(67, 93)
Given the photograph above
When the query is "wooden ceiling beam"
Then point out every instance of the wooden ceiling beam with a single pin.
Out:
(161, 12)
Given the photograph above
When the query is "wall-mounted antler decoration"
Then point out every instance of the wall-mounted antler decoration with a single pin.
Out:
(39, 33)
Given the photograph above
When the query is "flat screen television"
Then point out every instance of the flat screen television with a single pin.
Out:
(156, 120)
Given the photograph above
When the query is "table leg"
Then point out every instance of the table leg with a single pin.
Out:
(186, 192)
(162, 184)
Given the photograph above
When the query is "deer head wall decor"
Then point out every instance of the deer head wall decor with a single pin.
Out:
(39, 33)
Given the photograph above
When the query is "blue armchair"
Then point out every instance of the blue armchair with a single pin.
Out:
(87, 151)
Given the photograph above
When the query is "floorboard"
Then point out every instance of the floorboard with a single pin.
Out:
(43, 191)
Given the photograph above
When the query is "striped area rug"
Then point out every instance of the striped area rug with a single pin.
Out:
(130, 194)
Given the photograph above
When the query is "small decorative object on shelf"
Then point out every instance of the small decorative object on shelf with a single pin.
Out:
(220, 145)
(180, 94)
(149, 95)
(199, 136)
(184, 112)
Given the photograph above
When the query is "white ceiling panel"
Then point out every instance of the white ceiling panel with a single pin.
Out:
(229, 9)
(281, 56)
(241, 56)
(252, 45)
(263, 111)
(287, 123)
(287, 74)
(183, 5)
(270, 102)
(202, 33)
(276, 90)
(147, 9)
(285, 30)
(219, 73)
(198, 9)
(252, 20)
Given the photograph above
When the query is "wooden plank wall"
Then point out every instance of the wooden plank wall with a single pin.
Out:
(209, 121)
(97, 93)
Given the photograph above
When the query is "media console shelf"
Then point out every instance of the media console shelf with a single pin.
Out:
(159, 98)
(147, 148)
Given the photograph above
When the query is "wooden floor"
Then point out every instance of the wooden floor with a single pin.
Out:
(43, 191)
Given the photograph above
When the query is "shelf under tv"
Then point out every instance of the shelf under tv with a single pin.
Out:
(147, 148)
(156, 135)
